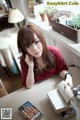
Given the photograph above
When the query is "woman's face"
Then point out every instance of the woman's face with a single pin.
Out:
(36, 48)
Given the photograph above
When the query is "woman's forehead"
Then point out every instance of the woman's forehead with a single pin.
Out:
(35, 36)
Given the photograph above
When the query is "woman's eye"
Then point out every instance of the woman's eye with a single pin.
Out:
(36, 42)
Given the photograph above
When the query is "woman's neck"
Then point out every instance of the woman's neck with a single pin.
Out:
(40, 63)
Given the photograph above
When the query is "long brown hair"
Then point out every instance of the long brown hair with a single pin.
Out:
(26, 37)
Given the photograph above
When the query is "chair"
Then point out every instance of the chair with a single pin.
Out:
(2, 89)
(16, 55)
(2, 65)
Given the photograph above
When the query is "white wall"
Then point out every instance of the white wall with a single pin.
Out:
(74, 8)
(22, 5)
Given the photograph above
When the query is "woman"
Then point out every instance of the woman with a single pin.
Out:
(39, 61)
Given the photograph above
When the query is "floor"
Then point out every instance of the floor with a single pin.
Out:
(11, 81)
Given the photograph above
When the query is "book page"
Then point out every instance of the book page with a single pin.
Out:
(66, 93)
(57, 101)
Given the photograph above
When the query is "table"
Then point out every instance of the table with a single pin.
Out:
(38, 96)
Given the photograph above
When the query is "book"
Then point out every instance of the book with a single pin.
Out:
(29, 111)
(60, 97)
(68, 113)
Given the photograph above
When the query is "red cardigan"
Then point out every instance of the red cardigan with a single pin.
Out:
(60, 65)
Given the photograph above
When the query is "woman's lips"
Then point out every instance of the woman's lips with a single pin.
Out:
(37, 52)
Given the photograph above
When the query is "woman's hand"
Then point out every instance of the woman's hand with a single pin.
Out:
(29, 61)
(68, 81)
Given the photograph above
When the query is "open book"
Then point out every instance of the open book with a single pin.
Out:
(60, 97)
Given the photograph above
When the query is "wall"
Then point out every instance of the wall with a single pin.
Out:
(74, 8)
(22, 5)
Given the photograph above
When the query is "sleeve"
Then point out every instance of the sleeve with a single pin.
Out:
(24, 70)
(60, 62)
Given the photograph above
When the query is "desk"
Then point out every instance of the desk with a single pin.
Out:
(38, 96)
(8, 37)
